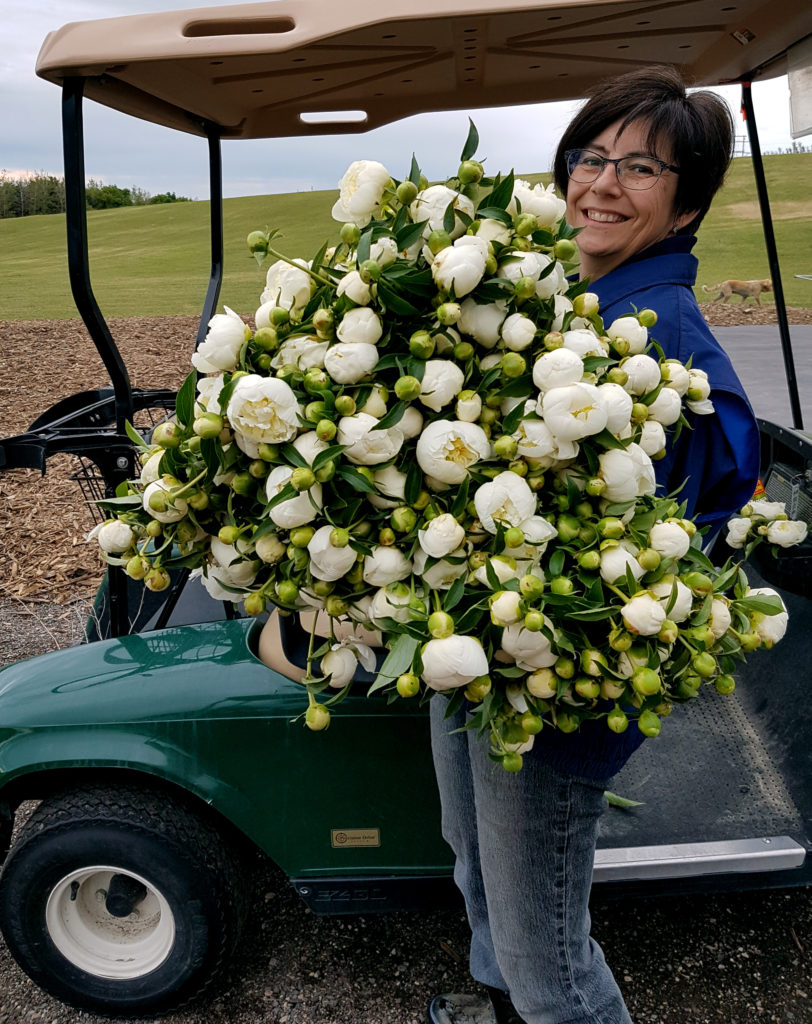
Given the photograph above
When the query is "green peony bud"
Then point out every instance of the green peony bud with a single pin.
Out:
(407, 388)
(440, 625)
(408, 685)
(266, 339)
(302, 478)
(438, 240)
(421, 345)
(350, 234)
(470, 172)
(406, 192)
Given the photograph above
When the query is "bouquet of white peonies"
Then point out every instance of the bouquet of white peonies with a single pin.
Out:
(431, 433)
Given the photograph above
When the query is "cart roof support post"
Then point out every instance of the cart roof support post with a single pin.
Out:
(215, 230)
(73, 148)
(772, 255)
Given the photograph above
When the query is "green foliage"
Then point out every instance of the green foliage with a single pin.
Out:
(152, 259)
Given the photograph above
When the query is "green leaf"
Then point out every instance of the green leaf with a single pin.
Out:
(328, 455)
(185, 402)
(397, 661)
(358, 480)
(127, 501)
(364, 244)
(620, 801)
(501, 195)
(134, 436)
(414, 483)
(461, 498)
(449, 217)
(764, 605)
(471, 143)
(394, 303)
(414, 172)
(495, 213)
(287, 492)
(210, 449)
(293, 456)
(556, 566)
(454, 594)
(410, 234)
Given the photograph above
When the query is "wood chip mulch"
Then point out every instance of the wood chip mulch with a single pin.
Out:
(44, 521)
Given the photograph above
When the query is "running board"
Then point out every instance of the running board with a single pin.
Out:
(684, 860)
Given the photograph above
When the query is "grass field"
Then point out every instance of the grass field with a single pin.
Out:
(153, 260)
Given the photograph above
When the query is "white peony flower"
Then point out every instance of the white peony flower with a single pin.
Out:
(288, 286)
(482, 321)
(666, 407)
(630, 330)
(492, 230)
(627, 472)
(504, 566)
(360, 192)
(676, 376)
(618, 407)
(530, 650)
(442, 382)
(328, 562)
(453, 661)
(348, 362)
(535, 439)
(574, 411)
(469, 408)
(770, 628)
(391, 484)
(391, 602)
(644, 374)
(175, 507)
(763, 509)
(669, 539)
(441, 536)
(303, 351)
(442, 574)
(309, 445)
(643, 615)
(683, 602)
(786, 532)
(232, 564)
(220, 350)
(431, 204)
(737, 531)
(557, 369)
(652, 437)
(583, 341)
(262, 409)
(518, 332)
(354, 287)
(539, 200)
(447, 449)
(114, 537)
(720, 618)
(339, 663)
(460, 266)
(411, 422)
(384, 251)
(698, 385)
(375, 405)
(367, 446)
(506, 499)
(505, 608)
(151, 470)
(360, 325)
(616, 560)
(296, 511)
(385, 565)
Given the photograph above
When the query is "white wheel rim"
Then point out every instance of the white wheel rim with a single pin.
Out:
(95, 941)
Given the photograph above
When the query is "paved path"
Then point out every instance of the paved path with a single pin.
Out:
(758, 359)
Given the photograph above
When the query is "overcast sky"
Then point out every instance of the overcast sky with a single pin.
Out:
(125, 152)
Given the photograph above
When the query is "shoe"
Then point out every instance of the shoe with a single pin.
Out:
(457, 1008)
(504, 1010)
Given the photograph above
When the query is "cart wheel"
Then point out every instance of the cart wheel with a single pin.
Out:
(120, 900)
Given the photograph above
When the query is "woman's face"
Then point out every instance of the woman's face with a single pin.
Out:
(618, 222)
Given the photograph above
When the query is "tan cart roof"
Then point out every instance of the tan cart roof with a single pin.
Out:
(254, 70)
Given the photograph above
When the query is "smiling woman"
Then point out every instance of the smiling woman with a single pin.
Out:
(639, 166)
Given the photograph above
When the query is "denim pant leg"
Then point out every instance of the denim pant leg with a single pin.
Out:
(534, 837)
(458, 821)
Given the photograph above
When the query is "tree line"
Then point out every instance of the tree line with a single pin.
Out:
(45, 193)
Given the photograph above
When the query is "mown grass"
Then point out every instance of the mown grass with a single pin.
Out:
(153, 260)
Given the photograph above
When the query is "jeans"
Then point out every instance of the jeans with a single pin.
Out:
(524, 846)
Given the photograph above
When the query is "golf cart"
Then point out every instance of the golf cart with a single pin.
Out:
(165, 746)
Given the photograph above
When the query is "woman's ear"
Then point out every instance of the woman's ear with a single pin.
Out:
(682, 219)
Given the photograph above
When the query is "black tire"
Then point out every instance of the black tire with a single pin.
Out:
(53, 906)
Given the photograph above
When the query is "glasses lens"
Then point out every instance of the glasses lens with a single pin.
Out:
(584, 166)
(639, 172)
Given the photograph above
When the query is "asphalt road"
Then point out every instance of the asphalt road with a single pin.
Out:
(758, 359)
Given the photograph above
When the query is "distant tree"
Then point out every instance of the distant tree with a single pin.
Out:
(168, 197)
(106, 197)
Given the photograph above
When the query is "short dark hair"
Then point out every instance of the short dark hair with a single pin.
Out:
(694, 131)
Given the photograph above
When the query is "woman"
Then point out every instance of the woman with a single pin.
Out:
(638, 166)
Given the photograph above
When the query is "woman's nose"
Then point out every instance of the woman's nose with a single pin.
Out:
(607, 180)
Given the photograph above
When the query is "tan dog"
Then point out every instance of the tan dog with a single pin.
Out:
(747, 289)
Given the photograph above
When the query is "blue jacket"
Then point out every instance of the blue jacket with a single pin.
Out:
(718, 459)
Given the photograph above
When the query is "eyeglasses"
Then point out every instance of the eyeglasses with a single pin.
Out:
(635, 172)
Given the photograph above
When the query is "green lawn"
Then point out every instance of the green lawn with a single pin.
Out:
(153, 260)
